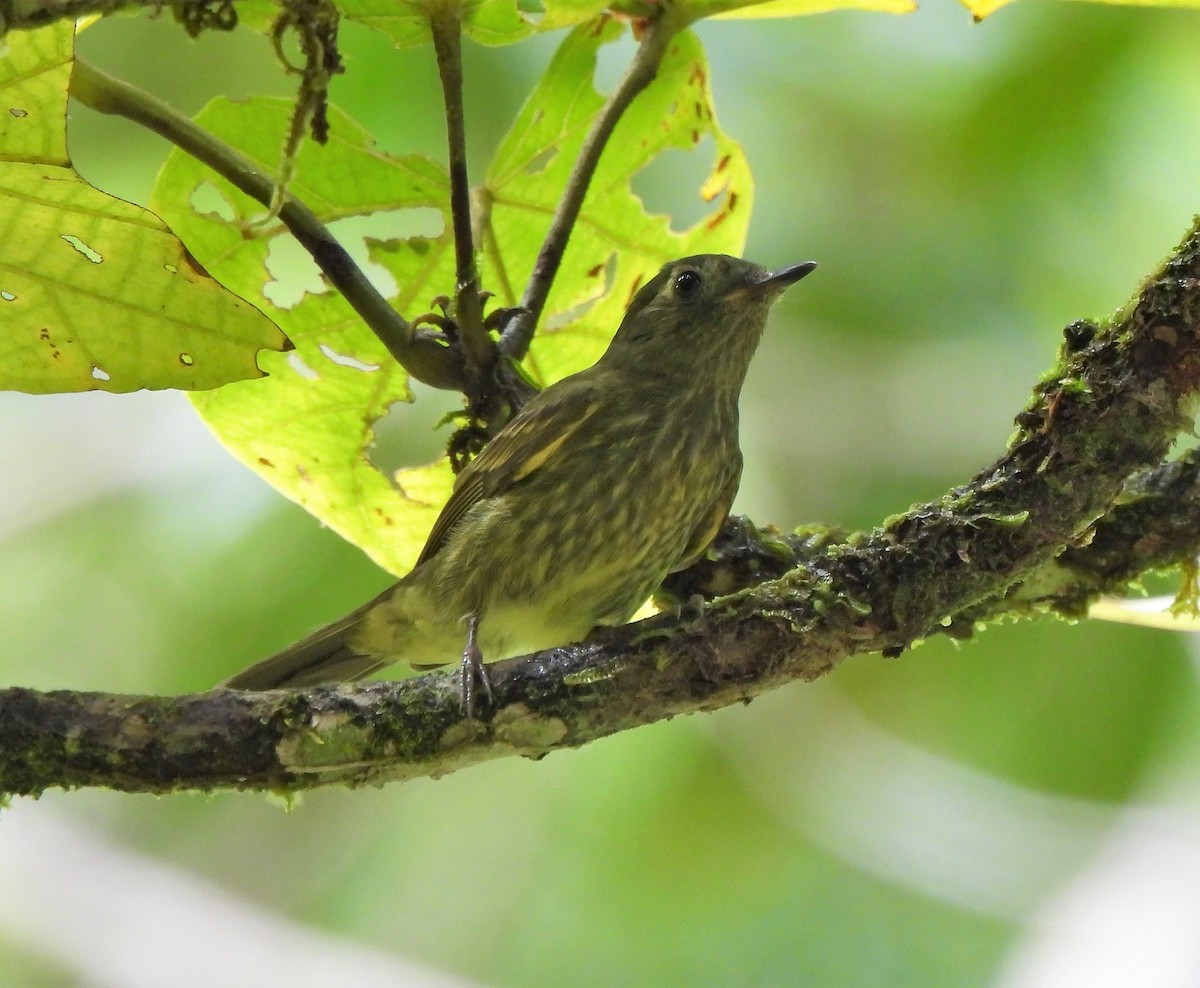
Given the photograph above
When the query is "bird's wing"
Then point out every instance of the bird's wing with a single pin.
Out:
(527, 443)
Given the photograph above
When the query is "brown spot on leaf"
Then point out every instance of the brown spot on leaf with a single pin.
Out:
(595, 272)
(264, 462)
(194, 264)
(733, 201)
(637, 283)
(717, 220)
(724, 162)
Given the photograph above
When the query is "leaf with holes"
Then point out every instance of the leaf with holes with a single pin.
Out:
(309, 428)
(985, 8)
(694, 10)
(96, 293)
(406, 22)
(616, 243)
(489, 22)
(743, 10)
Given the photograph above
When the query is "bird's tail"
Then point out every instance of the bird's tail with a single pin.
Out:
(325, 656)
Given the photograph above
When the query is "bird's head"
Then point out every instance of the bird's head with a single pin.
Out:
(699, 308)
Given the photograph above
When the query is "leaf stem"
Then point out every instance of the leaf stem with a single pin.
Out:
(477, 347)
(424, 357)
(518, 334)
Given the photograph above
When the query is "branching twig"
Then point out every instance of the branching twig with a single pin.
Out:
(1109, 411)
(421, 355)
(641, 72)
(477, 347)
(316, 25)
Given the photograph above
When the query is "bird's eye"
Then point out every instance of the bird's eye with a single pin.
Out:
(687, 284)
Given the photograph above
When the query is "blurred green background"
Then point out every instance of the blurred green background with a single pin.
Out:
(1017, 811)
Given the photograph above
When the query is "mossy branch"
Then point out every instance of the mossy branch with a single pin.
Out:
(1084, 474)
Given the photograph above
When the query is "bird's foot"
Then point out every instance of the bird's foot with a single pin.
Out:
(692, 609)
(472, 672)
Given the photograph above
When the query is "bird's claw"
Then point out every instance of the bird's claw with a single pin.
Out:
(498, 319)
(442, 322)
(471, 671)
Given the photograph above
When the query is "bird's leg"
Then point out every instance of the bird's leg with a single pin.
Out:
(472, 670)
(692, 609)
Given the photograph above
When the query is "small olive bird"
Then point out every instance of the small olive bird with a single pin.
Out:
(578, 509)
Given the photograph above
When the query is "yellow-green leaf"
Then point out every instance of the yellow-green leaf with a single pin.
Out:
(983, 8)
(96, 293)
(35, 71)
(694, 10)
(616, 244)
(406, 22)
(307, 429)
(746, 9)
(490, 22)
(568, 13)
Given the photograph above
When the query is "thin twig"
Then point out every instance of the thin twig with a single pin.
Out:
(315, 23)
(485, 236)
(420, 354)
(477, 346)
(641, 72)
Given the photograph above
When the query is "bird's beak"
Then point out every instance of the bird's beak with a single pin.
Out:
(771, 284)
(779, 280)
